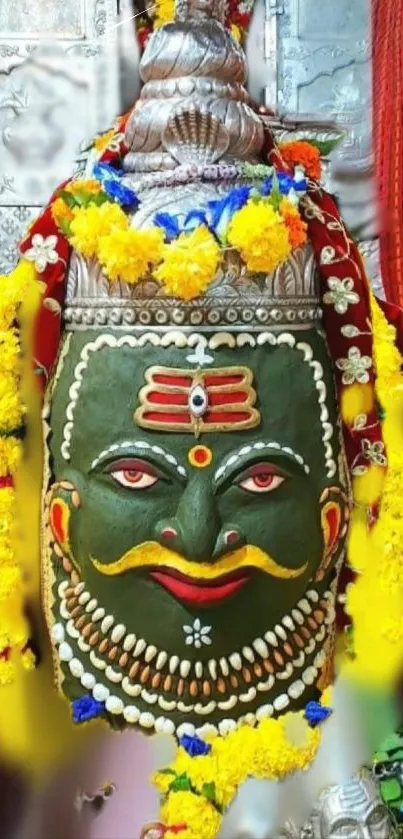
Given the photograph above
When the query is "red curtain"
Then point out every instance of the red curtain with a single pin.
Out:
(387, 40)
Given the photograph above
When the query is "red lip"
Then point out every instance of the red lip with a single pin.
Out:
(200, 592)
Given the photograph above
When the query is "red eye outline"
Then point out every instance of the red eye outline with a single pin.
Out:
(133, 473)
(261, 478)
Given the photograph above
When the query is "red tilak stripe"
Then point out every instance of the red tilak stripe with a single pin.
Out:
(6, 481)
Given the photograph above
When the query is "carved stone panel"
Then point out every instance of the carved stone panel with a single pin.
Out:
(59, 86)
(321, 54)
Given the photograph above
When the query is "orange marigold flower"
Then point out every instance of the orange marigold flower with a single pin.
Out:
(302, 153)
(89, 185)
(60, 211)
(296, 227)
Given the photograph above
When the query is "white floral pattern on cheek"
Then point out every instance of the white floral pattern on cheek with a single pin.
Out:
(42, 251)
(197, 635)
(341, 294)
(355, 367)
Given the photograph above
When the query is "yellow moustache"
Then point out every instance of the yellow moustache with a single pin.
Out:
(154, 555)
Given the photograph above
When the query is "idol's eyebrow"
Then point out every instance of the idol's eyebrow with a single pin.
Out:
(264, 448)
(117, 449)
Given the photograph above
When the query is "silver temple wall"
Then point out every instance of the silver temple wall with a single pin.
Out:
(58, 87)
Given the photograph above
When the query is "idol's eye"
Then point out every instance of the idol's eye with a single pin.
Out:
(133, 473)
(263, 477)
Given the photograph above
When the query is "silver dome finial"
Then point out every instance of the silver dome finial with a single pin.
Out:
(193, 108)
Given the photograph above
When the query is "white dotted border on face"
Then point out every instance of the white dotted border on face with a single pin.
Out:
(116, 448)
(261, 447)
(193, 340)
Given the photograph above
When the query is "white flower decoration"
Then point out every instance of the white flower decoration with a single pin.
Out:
(327, 255)
(197, 635)
(355, 367)
(375, 452)
(341, 294)
(42, 251)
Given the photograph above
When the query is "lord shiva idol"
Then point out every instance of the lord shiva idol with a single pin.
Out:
(215, 367)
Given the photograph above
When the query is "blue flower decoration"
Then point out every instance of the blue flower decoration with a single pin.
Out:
(315, 713)
(86, 708)
(223, 209)
(104, 170)
(169, 223)
(194, 746)
(194, 219)
(121, 194)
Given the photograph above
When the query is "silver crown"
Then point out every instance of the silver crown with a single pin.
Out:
(189, 137)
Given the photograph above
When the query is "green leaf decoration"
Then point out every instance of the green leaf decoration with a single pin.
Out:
(68, 198)
(98, 199)
(394, 741)
(166, 772)
(325, 147)
(181, 784)
(275, 195)
(208, 790)
(65, 226)
(390, 790)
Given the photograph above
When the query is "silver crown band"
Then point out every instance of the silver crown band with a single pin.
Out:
(237, 300)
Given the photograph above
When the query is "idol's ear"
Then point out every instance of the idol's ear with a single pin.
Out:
(335, 514)
(60, 503)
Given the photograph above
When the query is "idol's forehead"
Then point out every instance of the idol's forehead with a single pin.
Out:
(99, 389)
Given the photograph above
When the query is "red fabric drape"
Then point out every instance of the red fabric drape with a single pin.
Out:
(387, 40)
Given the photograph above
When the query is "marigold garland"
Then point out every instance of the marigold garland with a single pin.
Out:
(128, 254)
(378, 631)
(91, 223)
(194, 788)
(14, 632)
(260, 235)
(189, 264)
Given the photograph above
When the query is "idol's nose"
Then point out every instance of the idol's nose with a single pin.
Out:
(196, 530)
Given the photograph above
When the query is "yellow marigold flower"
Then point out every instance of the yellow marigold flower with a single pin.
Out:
(102, 142)
(7, 501)
(10, 455)
(128, 254)
(164, 12)
(10, 582)
(61, 212)
(13, 289)
(162, 781)
(89, 185)
(11, 409)
(7, 672)
(6, 553)
(13, 623)
(260, 235)
(91, 224)
(189, 264)
(28, 660)
(201, 818)
(9, 350)
(236, 32)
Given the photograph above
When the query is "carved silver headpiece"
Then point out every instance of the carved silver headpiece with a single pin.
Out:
(189, 137)
(354, 809)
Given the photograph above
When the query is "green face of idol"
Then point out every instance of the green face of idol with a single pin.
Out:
(196, 518)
